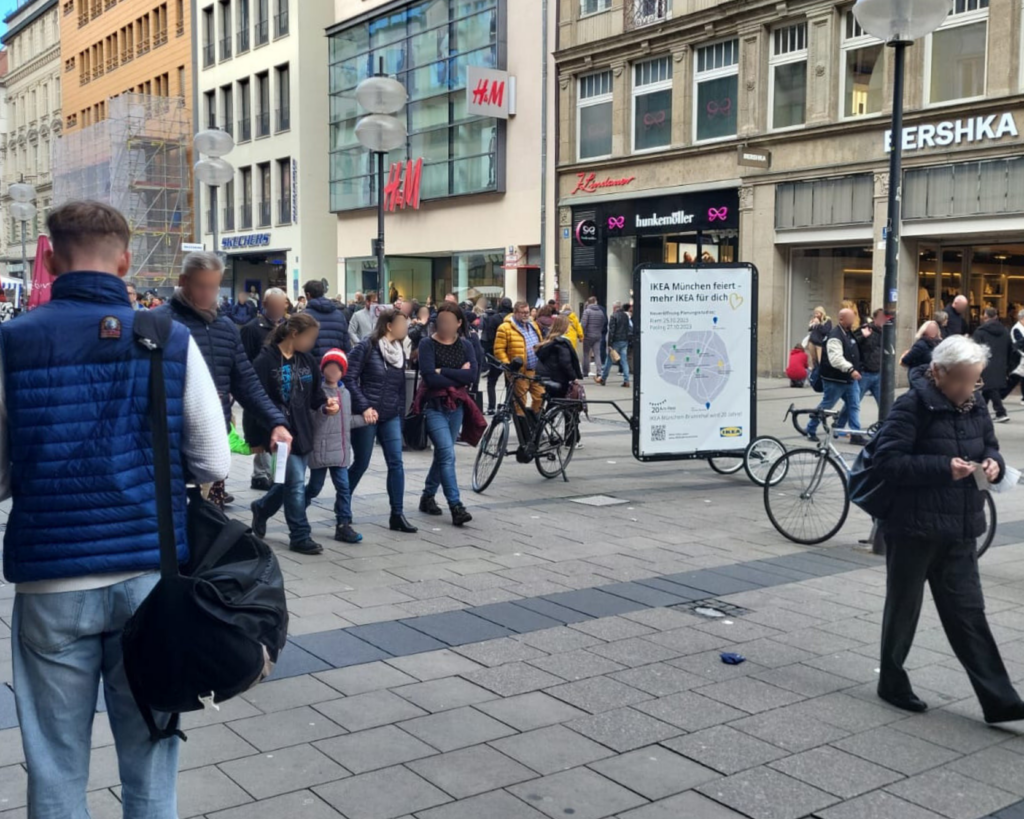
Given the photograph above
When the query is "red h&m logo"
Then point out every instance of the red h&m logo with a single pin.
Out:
(489, 92)
(403, 187)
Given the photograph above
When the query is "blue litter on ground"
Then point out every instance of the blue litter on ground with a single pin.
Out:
(732, 659)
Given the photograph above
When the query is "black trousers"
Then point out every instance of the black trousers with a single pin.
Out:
(951, 570)
(995, 398)
(1011, 384)
(493, 374)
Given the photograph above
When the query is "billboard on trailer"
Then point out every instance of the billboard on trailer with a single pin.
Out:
(697, 353)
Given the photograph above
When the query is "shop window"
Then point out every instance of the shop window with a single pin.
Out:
(716, 80)
(652, 104)
(862, 71)
(956, 54)
(788, 103)
(594, 116)
(594, 6)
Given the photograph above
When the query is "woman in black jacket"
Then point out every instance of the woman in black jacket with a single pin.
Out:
(376, 379)
(928, 337)
(934, 440)
(556, 359)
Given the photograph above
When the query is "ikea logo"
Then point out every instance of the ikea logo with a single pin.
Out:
(730, 432)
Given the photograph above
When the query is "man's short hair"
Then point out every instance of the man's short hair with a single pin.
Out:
(370, 296)
(520, 305)
(592, 300)
(201, 260)
(273, 293)
(313, 289)
(991, 313)
(81, 225)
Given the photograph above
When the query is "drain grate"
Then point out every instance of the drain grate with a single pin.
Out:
(712, 609)
(600, 500)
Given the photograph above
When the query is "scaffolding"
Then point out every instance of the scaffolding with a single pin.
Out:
(138, 161)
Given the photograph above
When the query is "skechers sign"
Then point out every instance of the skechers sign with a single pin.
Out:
(240, 242)
(956, 132)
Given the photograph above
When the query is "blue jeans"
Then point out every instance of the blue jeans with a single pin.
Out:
(836, 391)
(62, 645)
(342, 494)
(443, 427)
(292, 495)
(389, 434)
(870, 383)
(622, 348)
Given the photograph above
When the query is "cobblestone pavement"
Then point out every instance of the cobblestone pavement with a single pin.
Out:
(547, 660)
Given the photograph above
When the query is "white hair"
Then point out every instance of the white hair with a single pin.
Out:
(201, 260)
(959, 350)
(273, 293)
(924, 328)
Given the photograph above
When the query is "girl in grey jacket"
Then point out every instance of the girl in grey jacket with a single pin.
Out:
(332, 446)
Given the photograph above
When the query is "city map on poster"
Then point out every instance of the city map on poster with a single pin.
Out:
(696, 360)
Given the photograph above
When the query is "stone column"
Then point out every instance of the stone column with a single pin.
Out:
(566, 119)
(622, 109)
(822, 80)
(1003, 56)
(752, 95)
(682, 96)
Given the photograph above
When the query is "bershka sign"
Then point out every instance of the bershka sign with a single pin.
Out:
(680, 217)
(956, 132)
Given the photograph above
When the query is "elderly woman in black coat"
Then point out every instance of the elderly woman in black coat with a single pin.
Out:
(934, 440)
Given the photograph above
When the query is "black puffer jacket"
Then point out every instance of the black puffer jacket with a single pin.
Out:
(920, 353)
(333, 326)
(373, 383)
(557, 362)
(233, 376)
(997, 338)
(254, 335)
(914, 451)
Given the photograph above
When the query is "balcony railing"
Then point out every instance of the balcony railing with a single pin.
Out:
(284, 119)
(208, 55)
(243, 39)
(110, 4)
(84, 78)
(284, 211)
(225, 47)
(640, 13)
(264, 214)
(211, 121)
(229, 218)
(262, 32)
(111, 63)
(97, 71)
(263, 124)
(179, 28)
(281, 23)
(143, 46)
(83, 17)
(245, 216)
(245, 129)
(160, 38)
(127, 56)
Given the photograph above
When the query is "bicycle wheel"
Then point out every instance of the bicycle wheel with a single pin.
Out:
(489, 454)
(809, 504)
(556, 443)
(761, 456)
(726, 466)
(990, 524)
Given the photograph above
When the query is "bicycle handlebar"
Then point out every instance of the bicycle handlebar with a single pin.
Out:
(822, 415)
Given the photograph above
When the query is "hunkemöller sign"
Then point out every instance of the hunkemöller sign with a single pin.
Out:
(955, 132)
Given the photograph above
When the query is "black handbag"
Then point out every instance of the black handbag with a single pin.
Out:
(414, 427)
(215, 628)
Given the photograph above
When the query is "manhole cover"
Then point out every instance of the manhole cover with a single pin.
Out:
(600, 500)
(712, 609)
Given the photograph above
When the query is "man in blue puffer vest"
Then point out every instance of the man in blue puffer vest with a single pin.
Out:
(333, 323)
(82, 543)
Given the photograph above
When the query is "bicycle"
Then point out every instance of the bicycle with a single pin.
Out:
(547, 438)
(757, 460)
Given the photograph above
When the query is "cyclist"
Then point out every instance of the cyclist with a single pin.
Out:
(558, 363)
(518, 337)
(840, 372)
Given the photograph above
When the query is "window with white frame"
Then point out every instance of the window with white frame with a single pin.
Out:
(716, 82)
(788, 64)
(594, 6)
(594, 116)
(652, 104)
(956, 54)
(862, 70)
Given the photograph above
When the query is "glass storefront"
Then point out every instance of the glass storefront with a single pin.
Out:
(468, 275)
(989, 275)
(826, 277)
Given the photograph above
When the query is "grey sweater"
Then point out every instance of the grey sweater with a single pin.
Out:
(361, 324)
(332, 434)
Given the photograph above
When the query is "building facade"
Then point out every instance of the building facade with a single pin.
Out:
(109, 48)
(273, 221)
(33, 105)
(469, 202)
(757, 132)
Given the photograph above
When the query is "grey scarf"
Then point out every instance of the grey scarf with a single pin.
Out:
(392, 352)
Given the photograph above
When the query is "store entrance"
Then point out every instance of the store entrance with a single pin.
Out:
(989, 275)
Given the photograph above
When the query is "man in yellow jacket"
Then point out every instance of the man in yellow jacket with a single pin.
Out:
(518, 337)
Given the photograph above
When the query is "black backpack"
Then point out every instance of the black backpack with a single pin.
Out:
(214, 629)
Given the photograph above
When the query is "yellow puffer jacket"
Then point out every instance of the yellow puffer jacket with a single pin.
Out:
(509, 341)
(575, 331)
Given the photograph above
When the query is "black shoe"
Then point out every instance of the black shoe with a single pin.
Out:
(812, 436)
(460, 516)
(229, 499)
(1011, 714)
(908, 702)
(346, 534)
(259, 523)
(398, 523)
(428, 506)
(858, 440)
(261, 484)
(490, 410)
(307, 547)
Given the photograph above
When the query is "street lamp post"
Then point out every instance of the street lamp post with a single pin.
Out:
(380, 131)
(214, 170)
(24, 211)
(898, 23)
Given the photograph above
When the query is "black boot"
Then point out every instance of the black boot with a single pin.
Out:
(398, 523)
(259, 523)
(460, 516)
(908, 702)
(428, 506)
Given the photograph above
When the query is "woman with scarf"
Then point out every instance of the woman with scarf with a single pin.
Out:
(376, 379)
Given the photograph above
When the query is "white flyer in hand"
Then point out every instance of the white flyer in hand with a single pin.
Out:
(1011, 477)
(280, 462)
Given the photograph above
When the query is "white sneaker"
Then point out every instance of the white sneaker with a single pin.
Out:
(1002, 419)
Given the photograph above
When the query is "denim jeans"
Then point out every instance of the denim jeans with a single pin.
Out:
(292, 495)
(342, 494)
(622, 348)
(62, 645)
(834, 392)
(870, 383)
(443, 427)
(389, 434)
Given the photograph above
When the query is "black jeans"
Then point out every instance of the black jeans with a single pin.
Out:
(493, 374)
(951, 570)
(995, 398)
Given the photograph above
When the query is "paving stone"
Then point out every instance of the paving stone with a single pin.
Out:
(514, 618)
(499, 652)
(634, 652)
(897, 750)
(284, 728)
(369, 710)
(955, 796)
(1012, 812)
(11, 750)
(613, 628)
(708, 664)
(339, 648)
(383, 794)
(577, 665)
(13, 787)
(528, 711)
(834, 771)
(205, 790)
(494, 805)
(552, 749)
(804, 680)
(659, 679)
(737, 630)
(443, 694)
(376, 748)
(359, 679)
(707, 580)
(654, 772)
(766, 794)
(847, 664)
(434, 665)
(688, 640)
(594, 602)
(236, 708)
(298, 805)
(638, 593)
(471, 771)
(877, 805)
(396, 638)
(581, 793)
(750, 695)
(675, 589)
(513, 678)
(790, 729)
(456, 628)
(597, 694)
(214, 744)
(283, 695)
(951, 731)
(457, 728)
(623, 729)
(662, 619)
(285, 770)
(994, 766)
(560, 640)
(683, 806)
(725, 749)
(547, 607)
(690, 711)
(295, 661)
(849, 713)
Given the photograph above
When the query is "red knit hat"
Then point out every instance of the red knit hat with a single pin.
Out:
(335, 356)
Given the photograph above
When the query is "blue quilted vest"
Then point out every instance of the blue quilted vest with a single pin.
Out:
(76, 385)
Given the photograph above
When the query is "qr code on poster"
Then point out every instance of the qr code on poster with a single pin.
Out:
(658, 432)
